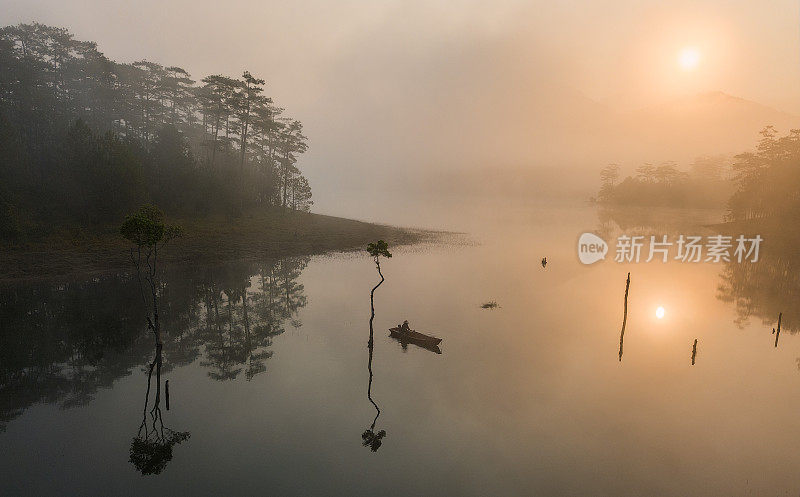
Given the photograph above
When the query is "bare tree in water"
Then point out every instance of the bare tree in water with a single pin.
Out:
(151, 449)
(369, 437)
(147, 231)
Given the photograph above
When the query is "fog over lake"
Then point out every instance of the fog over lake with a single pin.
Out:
(267, 363)
(399, 247)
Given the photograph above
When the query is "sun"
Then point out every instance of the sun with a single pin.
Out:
(660, 312)
(689, 58)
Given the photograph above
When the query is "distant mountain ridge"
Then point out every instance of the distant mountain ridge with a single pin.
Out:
(719, 98)
(705, 123)
(559, 142)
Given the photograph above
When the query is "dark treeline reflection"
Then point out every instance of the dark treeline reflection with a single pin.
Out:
(760, 290)
(764, 289)
(614, 221)
(61, 343)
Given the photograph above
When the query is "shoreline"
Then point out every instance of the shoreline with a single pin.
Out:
(215, 239)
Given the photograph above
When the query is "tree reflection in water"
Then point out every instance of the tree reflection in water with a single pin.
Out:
(151, 448)
(61, 343)
(369, 438)
(762, 289)
(766, 288)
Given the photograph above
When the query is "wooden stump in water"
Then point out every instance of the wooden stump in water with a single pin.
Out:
(694, 351)
(624, 316)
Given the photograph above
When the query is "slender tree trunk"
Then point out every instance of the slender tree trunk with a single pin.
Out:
(624, 316)
(243, 152)
(156, 322)
(371, 342)
(216, 137)
(285, 177)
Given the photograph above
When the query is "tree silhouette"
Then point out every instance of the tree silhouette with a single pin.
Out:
(768, 180)
(80, 134)
(147, 231)
(369, 437)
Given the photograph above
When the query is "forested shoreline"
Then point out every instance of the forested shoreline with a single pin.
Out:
(85, 140)
(705, 183)
(753, 186)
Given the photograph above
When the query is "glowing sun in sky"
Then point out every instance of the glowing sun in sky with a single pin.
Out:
(660, 312)
(688, 58)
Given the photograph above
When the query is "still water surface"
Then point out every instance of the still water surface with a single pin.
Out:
(267, 367)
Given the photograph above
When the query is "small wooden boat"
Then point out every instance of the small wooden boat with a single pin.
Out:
(411, 336)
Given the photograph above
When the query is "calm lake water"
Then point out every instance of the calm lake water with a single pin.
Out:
(267, 369)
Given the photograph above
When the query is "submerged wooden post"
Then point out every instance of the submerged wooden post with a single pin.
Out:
(166, 393)
(694, 351)
(778, 331)
(624, 316)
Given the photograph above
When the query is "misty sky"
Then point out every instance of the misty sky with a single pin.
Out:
(386, 87)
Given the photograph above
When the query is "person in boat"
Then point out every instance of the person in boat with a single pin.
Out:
(404, 327)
